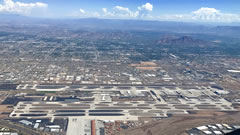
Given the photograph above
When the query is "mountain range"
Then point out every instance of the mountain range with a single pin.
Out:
(185, 41)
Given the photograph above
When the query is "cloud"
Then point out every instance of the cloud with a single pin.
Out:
(147, 7)
(9, 6)
(95, 14)
(124, 12)
(119, 8)
(106, 13)
(118, 12)
(203, 14)
(212, 14)
(144, 10)
(104, 10)
(82, 11)
(206, 11)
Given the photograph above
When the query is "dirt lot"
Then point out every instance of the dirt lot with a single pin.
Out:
(146, 66)
(5, 110)
(176, 125)
(142, 64)
(229, 84)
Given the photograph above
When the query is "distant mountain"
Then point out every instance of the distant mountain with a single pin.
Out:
(184, 41)
(95, 24)
(18, 20)
(104, 24)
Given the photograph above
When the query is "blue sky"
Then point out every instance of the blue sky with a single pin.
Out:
(170, 10)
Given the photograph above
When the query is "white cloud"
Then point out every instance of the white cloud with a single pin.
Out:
(206, 11)
(147, 7)
(106, 13)
(9, 6)
(124, 12)
(119, 8)
(118, 12)
(95, 14)
(104, 10)
(82, 11)
(212, 14)
(203, 14)
(144, 10)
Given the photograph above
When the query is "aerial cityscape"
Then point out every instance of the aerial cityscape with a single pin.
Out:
(117, 70)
